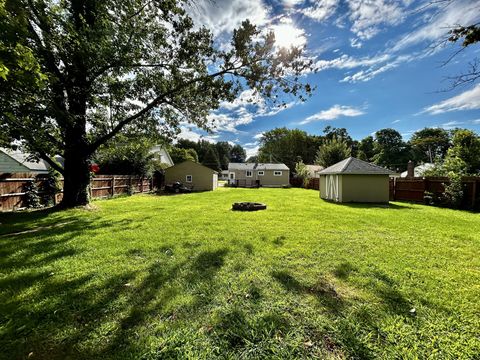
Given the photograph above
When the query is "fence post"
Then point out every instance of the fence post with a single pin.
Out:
(113, 185)
(130, 184)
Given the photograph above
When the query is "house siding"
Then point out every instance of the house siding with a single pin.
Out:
(358, 188)
(203, 178)
(365, 188)
(266, 180)
(9, 165)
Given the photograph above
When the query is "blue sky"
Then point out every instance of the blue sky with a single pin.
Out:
(379, 65)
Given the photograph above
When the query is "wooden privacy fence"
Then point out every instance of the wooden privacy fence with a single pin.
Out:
(413, 189)
(12, 195)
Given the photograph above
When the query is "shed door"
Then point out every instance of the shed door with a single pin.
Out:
(332, 187)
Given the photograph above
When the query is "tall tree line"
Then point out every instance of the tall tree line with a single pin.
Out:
(214, 155)
(385, 148)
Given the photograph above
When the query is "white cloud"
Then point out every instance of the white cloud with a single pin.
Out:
(451, 125)
(251, 151)
(334, 112)
(468, 100)
(321, 9)
(368, 15)
(477, 121)
(349, 62)
(355, 43)
(242, 111)
(396, 121)
(258, 136)
(226, 15)
(437, 25)
(189, 134)
(292, 3)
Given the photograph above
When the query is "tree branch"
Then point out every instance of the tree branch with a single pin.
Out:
(155, 102)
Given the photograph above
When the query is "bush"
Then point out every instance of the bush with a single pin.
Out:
(453, 194)
(49, 187)
(32, 199)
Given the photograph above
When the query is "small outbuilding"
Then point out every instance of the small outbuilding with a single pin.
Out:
(192, 174)
(354, 180)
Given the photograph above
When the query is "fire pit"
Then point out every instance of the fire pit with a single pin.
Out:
(248, 206)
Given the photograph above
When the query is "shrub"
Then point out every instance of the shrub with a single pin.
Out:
(49, 187)
(32, 199)
(453, 194)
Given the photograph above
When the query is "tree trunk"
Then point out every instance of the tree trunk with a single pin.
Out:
(76, 179)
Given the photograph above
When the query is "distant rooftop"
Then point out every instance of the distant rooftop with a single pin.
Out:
(256, 166)
(355, 166)
(22, 158)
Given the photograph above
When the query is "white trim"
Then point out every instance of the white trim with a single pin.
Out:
(277, 173)
(260, 173)
(186, 178)
(248, 171)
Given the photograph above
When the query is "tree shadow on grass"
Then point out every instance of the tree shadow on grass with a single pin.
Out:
(149, 299)
(349, 322)
(323, 290)
(387, 206)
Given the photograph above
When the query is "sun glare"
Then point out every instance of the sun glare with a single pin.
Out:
(287, 35)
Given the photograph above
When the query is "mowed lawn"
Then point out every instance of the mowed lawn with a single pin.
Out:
(159, 277)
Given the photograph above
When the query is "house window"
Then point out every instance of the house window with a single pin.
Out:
(248, 173)
(188, 178)
(261, 173)
(232, 176)
(277, 173)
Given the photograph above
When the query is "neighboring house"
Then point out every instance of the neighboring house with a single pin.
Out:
(15, 161)
(354, 180)
(223, 175)
(256, 174)
(313, 170)
(162, 154)
(192, 174)
(419, 170)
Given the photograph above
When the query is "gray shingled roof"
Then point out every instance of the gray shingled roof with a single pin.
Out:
(22, 158)
(256, 166)
(355, 166)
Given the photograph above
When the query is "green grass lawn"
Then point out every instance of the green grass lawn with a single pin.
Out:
(156, 277)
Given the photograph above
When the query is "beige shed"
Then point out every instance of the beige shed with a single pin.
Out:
(192, 174)
(354, 180)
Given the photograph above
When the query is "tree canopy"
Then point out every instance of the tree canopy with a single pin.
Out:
(75, 74)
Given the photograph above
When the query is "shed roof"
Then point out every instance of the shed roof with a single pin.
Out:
(186, 162)
(256, 166)
(355, 166)
(23, 159)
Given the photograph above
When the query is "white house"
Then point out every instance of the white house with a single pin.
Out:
(162, 154)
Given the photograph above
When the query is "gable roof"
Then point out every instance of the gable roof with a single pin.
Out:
(256, 166)
(419, 170)
(162, 151)
(355, 166)
(313, 170)
(22, 159)
(192, 162)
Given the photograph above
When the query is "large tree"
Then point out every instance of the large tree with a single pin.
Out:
(238, 154)
(429, 144)
(390, 150)
(288, 146)
(76, 73)
(332, 151)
